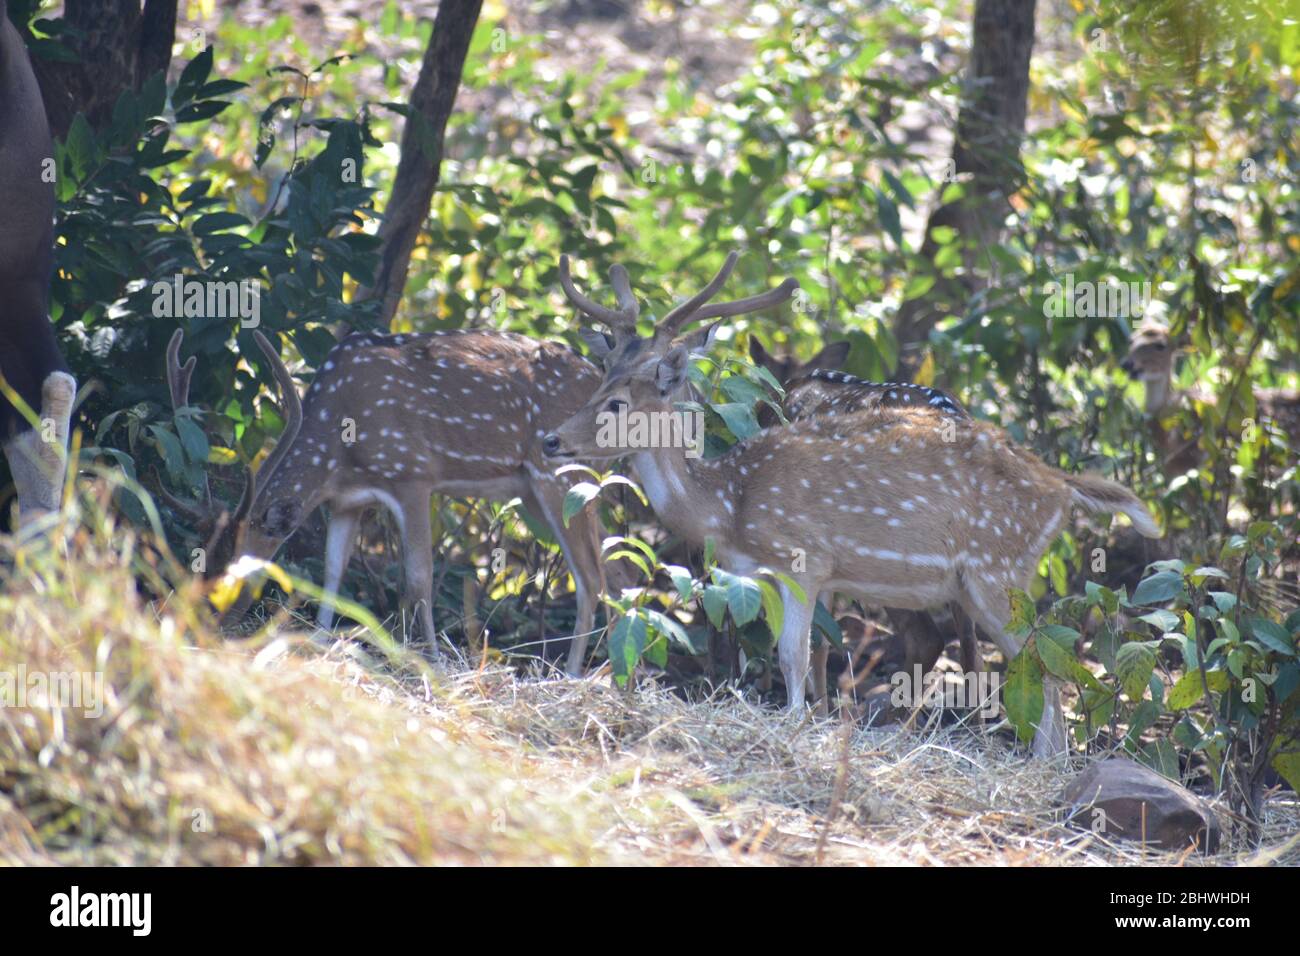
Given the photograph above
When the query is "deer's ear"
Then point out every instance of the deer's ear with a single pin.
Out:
(759, 355)
(599, 343)
(672, 370)
(701, 340)
(832, 356)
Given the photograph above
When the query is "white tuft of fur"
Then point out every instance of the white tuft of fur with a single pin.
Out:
(1135, 509)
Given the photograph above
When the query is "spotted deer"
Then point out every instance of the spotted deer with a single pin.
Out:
(30, 360)
(817, 387)
(392, 419)
(1150, 360)
(877, 505)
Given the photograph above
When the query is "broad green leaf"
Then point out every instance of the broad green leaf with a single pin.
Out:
(825, 623)
(1162, 619)
(1189, 689)
(682, 580)
(1158, 588)
(1134, 663)
(773, 608)
(1022, 613)
(1271, 635)
(1022, 694)
(626, 645)
(1287, 764)
(715, 604)
(577, 498)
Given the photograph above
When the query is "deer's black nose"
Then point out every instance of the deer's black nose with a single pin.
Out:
(551, 444)
(1127, 365)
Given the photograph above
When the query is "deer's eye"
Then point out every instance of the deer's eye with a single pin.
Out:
(615, 405)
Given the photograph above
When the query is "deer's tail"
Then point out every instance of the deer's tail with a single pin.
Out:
(1095, 493)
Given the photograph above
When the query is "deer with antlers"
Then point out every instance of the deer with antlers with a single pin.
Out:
(392, 419)
(877, 505)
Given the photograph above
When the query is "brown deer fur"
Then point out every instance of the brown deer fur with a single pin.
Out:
(392, 419)
(877, 505)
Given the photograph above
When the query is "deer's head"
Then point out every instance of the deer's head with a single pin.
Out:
(268, 511)
(1150, 360)
(644, 375)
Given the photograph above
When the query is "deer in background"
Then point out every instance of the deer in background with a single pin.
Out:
(392, 419)
(876, 505)
(29, 355)
(1150, 360)
(816, 388)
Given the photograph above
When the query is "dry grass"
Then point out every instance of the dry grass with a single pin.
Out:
(273, 751)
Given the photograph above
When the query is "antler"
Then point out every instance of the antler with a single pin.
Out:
(288, 398)
(218, 521)
(694, 309)
(178, 387)
(621, 320)
(178, 376)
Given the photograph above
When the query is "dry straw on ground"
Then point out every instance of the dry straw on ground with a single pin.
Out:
(273, 751)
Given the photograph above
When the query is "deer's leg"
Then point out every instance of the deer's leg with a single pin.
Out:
(37, 457)
(796, 630)
(580, 542)
(922, 640)
(987, 608)
(821, 653)
(340, 537)
(417, 555)
(972, 661)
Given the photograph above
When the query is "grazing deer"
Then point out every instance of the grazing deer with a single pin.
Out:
(818, 388)
(877, 505)
(1150, 360)
(29, 355)
(392, 419)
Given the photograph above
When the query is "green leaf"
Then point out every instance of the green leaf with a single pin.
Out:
(744, 596)
(715, 604)
(742, 390)
(1158, 588)
(773, 608)
(1189, 689)
(1022, 613)
(825, 623)
(1022, 694)
(1271, 635)
(739, 418)
(1059, 660)
(626, 645)
(682, 580)
(1162, 619)
(1288, 766)
(1134, 663)
(663, 624)
(577, 498)
(193, 440)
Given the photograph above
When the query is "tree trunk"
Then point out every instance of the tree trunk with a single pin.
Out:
(990, 127)
(118, 44)
(431, 104)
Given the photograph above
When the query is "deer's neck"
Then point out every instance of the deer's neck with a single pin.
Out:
(1159, 394)
(692, 497)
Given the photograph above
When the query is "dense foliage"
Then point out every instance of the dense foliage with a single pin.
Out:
(1161, 150)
